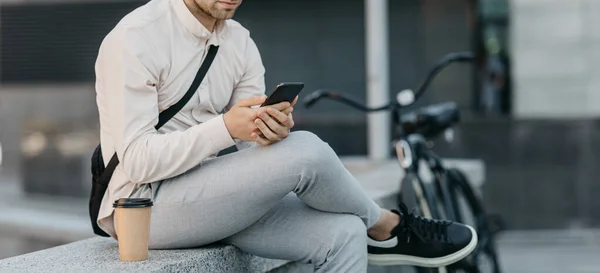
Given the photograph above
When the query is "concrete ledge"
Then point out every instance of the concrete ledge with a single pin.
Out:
(381, 180)
(101, 255)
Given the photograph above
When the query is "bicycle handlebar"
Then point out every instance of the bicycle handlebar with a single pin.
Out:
(324, 93)
(448, 59)
(455, 57)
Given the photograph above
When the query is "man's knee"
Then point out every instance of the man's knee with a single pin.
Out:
(307, 148)
(351, 229)
(348, 239)
(305, 138)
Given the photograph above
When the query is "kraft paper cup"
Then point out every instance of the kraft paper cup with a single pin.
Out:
(133, 227)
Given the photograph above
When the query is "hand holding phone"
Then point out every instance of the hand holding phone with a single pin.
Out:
(275, 124)
(240, 116)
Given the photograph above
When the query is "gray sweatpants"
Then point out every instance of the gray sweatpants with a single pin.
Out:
(293, 200)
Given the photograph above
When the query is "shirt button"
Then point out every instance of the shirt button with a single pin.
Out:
(150, 83)
(203, 35)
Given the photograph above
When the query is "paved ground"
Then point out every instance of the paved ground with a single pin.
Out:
(573, 251)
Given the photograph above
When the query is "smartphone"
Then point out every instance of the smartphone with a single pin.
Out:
(285, 91)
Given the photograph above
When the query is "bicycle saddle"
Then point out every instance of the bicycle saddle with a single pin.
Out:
(430, 121)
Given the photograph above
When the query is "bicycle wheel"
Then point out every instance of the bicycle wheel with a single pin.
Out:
(414, 195)
(469, 210)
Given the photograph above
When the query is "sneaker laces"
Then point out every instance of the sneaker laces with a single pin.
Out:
(425, 229)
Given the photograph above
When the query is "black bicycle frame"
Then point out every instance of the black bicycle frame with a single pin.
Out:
(418, 151)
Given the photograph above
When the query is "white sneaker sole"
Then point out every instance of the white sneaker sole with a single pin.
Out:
(397, 259)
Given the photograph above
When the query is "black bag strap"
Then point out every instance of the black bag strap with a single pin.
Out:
(166, 115)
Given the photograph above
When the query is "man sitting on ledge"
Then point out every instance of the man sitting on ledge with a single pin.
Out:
(282, 195)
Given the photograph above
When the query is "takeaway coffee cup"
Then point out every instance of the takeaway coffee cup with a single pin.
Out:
(133, 227)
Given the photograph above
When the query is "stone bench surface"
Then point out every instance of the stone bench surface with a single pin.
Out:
(102, 255)
(379, 179)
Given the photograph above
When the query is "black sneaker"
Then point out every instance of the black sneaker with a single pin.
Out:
(423, 242)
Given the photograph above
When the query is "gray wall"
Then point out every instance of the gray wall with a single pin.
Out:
(556, 59)
(322, 43)
(318, 42)
(64, 157)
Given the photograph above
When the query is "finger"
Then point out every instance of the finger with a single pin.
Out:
(274, 125)
(288, 110)
(294, 102)
(280, 106)
(247, 102)
(266, 131)
(261, 140)
(279, 116)
(256, 132)
(291, 122)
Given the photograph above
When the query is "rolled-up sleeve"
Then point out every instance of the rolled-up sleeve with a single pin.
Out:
(126, 78)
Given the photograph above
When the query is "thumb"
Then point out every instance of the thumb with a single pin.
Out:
(247, 102)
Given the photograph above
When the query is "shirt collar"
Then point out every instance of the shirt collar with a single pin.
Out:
(192, 24)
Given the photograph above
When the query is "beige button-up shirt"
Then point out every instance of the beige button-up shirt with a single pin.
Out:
(146, 64)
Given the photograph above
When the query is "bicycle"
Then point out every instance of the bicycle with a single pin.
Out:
(449, 196)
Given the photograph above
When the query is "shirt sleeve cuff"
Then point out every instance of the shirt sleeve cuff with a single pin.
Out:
(221, 139)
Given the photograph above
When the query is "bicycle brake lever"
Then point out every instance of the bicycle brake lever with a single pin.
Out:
(311, 99)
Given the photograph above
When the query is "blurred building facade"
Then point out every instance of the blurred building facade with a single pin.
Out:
(529, 106)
